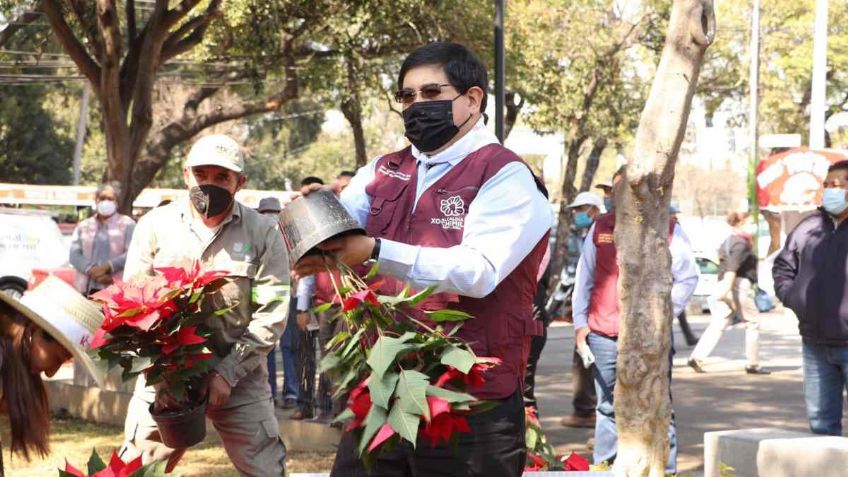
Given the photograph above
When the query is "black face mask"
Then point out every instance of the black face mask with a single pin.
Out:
(429, 124)
(210, 200)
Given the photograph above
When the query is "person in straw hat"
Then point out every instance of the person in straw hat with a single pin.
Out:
(50, 325)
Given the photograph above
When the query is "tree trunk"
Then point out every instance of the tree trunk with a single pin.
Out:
(592, 163)
(568, 191)
(642, 400)
(351, 107)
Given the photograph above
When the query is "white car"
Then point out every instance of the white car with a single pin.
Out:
(30, 240)
(707, 283)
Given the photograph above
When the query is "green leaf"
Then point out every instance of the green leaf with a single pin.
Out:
(329, 362)
(140, 364)
(421, 296)
(449, 396)
(373, 422)
(412, 393)
(322, 308)
(405, 424)
(340, 338)
(156, 469)
(352, 343)
(382, 389)
(385, 351)
(95, 463)
(448, 315)
(459, 358)
(345, 415)
(375, 269)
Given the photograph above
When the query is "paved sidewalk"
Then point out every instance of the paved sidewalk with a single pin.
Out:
(723, 398)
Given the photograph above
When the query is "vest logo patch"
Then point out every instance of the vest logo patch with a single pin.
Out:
(393, 173)
(605, 238)
(453, 209)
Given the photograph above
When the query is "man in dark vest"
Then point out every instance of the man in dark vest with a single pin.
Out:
(596, 318)
(459, 211)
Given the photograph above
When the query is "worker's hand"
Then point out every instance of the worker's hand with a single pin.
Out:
(219, 391)
(97, 271)
(351, 250)
(164, 401)
(334, 188)
(104, 279)
(303, 319)
(580, 336)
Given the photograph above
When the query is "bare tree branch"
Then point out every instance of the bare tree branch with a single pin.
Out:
(70, 43)
(172, 17)
(18, 23)
(88, 27)
(132, 29)
(190, 33)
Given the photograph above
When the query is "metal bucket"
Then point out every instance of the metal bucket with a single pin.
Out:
(310, 220)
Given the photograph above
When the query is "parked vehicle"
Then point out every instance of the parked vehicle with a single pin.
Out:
(707, 283)
(31, 245)
(558, 305)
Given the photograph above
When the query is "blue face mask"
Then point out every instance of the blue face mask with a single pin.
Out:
(834, 201)
(582, 220)
(608, 204)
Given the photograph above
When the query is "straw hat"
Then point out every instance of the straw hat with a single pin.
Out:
(70, 318)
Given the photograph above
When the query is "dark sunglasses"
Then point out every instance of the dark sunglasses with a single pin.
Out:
(427, 91)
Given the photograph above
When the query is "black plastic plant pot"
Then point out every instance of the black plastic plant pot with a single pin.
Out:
(181, 429)
(310, 220)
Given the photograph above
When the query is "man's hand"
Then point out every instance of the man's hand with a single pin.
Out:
(98, 271)
(303, 319)
(351, 250)
(580, 337)
(219, 391)
(334, 188)
(104, 279)
(164, 401)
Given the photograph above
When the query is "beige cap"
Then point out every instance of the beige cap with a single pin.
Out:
(216, 150)
(61, 311)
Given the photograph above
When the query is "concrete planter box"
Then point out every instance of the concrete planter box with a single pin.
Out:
(768, 452)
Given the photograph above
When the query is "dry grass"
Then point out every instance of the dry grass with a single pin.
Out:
(74, 439)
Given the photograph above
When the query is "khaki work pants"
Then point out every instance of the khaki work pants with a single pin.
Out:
(250, 434)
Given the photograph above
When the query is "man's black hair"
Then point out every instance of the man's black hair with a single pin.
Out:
(462, 67)
(838, 166)
(346, 174)
(311, 180)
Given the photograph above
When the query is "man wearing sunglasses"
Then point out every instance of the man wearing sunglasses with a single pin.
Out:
(457, 210)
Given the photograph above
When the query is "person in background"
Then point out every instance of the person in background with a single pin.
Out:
(606, 188)
(38, 334)
(737, 271)
(585, 208)
(246, 314)
(596, 318)
(302, 339)
(343, 180)
(537, 343)
(688, 335)
(811, 278)
(99, 243)
(271, 207)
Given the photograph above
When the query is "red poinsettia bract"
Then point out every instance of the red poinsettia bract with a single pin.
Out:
(116, 468)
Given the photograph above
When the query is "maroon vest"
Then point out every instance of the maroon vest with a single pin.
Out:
(603, 304)
(503, 321)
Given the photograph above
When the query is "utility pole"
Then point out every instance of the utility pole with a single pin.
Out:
(81, 125)
(819, 91)
(753, 119)
(500, 70)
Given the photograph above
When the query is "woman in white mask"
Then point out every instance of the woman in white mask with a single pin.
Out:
(99, 244)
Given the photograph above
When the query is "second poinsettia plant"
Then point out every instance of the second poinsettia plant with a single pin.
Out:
(406, 377)
(153, 326)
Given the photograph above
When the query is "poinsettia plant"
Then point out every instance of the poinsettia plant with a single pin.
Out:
(115, 468)
(406, 378)
(540, 454)
(153, 326)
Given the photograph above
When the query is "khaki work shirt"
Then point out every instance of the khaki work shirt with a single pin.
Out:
(250, 247)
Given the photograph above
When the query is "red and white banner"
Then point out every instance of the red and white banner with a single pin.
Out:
(792, 180)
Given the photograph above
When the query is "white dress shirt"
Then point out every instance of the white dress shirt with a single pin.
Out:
(504, 223)
(684, 272)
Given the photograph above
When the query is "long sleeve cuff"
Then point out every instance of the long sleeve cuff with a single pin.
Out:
(396, 259)
(241, 361)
